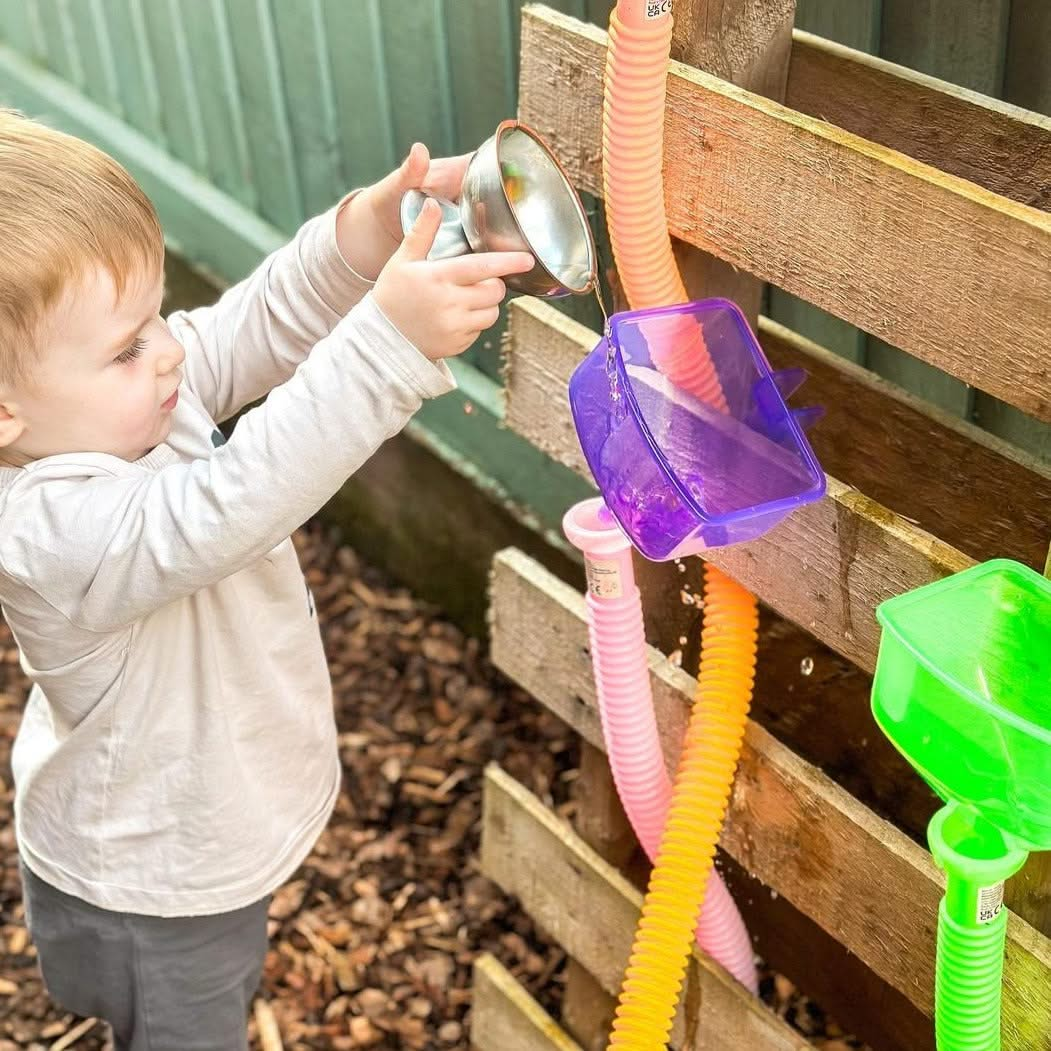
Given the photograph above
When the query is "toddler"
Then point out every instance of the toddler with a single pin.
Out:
(177, 757)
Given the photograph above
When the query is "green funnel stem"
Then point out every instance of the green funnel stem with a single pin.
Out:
(972, 927)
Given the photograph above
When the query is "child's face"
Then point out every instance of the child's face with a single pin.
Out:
(107, 380)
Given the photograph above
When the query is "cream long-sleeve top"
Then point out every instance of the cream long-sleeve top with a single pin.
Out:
(177, 755)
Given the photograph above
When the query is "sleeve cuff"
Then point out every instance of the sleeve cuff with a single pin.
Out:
(338, 285)
(428, 378)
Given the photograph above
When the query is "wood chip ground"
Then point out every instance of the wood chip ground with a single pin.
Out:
(374, 937)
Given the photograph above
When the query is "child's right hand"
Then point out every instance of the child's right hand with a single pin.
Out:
(441, 306)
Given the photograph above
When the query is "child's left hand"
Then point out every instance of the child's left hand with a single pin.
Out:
(369, 230)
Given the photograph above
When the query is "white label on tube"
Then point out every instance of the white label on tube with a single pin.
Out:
(604, 579)
(656, 8)
(990, 902)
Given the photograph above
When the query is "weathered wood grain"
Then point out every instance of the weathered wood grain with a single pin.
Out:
(953, 479)
(944, 269)
(591, 910)
(826, 567)
(504, 1016)
(746, 42)
(854, 874)
(1002, 147)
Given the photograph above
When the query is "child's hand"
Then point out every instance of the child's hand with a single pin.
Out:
(442, 178)
(441, 306)
(369, 230)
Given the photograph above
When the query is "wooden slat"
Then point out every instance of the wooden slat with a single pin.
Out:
(359, 82)
(1028, 76)
(600, 821)
(590, 909)
(261, 83)
(301, 35)
(929, 35)
(855, 875)
(210, 42)
(954, 479)
(97, 60)
(1002, 147)
(747, 44)
(133, 68)
(419, 79)
(935, 265)
(180, 102)
(924, 35)
(825, 567)
(59, 44)
(504, 1017)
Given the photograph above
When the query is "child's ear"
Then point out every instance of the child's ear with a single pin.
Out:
(11, 424)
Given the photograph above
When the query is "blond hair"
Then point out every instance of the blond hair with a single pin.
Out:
(64, 206)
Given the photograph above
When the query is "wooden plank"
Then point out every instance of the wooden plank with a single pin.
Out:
(995, 144)
(504, 1015)
(173, 67)
(746, 44)
(133, 68)
(209, 39)
(818, 325)
(60, 48)
(419, 79)
(590, 909)
(600, 821)
(854, 874)
(1027, 80)
(359, 84)
(930, 35)
(826, 567)
(265, 112)
(88, 28)
(300, 32)
(970, 488)
(874, 237)
(483, 89)
(823, 970)
(924, 35)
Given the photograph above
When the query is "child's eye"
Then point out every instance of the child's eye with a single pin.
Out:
(132, 352)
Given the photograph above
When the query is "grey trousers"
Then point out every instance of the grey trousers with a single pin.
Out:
(183, 984)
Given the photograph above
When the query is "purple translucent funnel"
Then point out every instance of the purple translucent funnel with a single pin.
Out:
(680, 475)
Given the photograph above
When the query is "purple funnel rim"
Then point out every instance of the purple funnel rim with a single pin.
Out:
(784, 503)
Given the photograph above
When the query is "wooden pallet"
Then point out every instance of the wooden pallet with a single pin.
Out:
(919, 216)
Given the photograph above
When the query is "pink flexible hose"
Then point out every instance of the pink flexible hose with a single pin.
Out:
(629, 725)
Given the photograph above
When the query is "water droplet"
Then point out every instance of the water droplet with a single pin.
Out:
(676, 658)
(774, 895)
(682, 640)
(468, 408)
(806, 666)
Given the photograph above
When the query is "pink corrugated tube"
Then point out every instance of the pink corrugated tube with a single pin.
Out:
(629, 725)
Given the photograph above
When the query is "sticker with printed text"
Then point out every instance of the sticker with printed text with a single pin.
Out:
(604, 579)
(656, 8)
(990, 902)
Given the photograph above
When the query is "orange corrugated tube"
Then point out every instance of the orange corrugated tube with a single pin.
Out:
(633, 185)
(632, 154)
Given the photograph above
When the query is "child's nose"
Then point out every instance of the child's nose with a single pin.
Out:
(171, 357)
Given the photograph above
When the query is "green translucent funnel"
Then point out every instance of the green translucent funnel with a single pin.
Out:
(963, 690)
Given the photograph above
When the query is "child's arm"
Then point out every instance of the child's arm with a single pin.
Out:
(108, 542)
(258, 332)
